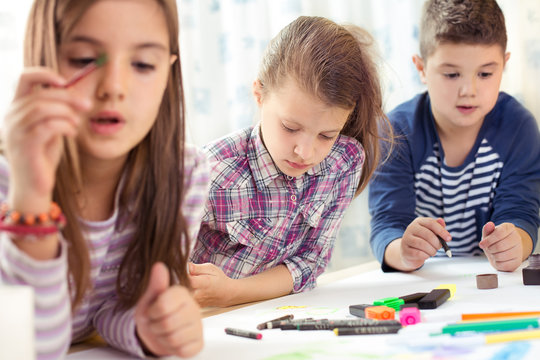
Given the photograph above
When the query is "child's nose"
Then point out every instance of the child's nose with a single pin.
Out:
(468, 88)
(304, 149)
(112, 82)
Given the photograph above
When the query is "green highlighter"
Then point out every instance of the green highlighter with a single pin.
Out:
(492, 326)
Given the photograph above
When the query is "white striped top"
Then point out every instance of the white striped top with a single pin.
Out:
(455, 193)
(55, 329)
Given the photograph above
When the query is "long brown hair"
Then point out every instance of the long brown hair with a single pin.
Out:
(153, 188)
(335, 63)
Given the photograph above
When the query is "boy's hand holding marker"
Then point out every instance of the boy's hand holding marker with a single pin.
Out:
(421, 241)
(167, 317)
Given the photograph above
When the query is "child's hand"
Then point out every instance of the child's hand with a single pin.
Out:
(167, 318)
(420, 242)
(502, 245)
(32, 134)
(211, 286)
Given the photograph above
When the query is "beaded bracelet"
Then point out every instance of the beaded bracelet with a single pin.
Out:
(16, 223)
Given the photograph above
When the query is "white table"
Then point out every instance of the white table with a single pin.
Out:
(332, 299)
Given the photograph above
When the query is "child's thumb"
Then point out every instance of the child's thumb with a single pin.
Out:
(488, 228)
(159, 282)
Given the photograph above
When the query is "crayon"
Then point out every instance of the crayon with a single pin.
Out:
(280, 324)
(332, 324)
(371, 330)
(243, 333)
(265, 324)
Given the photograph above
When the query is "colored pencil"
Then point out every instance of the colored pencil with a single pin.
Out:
(492, 326)
(500, 315)
(100, 60)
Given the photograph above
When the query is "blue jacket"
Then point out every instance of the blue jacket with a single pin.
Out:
(509, 130)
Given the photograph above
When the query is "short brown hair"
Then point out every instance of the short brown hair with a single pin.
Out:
(461, 21)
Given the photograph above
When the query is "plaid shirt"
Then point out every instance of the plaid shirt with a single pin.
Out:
(257, 218)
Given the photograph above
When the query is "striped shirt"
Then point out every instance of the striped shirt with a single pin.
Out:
(258, 218)
(499, 180)
(455, 193)
(55, 329)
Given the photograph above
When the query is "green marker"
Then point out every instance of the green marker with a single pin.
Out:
(491, 326)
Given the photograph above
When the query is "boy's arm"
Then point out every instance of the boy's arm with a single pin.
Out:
(517, 197)
(392, 205)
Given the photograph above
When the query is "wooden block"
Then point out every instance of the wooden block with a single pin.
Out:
(487, 281)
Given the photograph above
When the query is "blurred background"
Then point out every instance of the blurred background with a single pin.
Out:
(222, 42)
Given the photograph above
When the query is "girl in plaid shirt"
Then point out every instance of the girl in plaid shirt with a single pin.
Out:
(279, 189)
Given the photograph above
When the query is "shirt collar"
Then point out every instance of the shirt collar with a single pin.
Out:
(262, 166)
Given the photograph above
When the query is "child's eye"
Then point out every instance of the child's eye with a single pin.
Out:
(288, 129)
(452, 75)
(326, 137)
(81, 62)
(485, 75)
(142, 66)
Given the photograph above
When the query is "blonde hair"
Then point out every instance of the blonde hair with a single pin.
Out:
(336, 64)
(154, 186)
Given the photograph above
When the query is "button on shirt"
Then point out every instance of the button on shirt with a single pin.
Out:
(257, 218)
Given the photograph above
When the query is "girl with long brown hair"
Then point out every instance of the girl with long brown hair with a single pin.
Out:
(280, 189)
(107, 150)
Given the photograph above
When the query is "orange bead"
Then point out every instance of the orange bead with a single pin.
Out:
(15, 216)
(43, 218)
(55, 211)
(29, 219)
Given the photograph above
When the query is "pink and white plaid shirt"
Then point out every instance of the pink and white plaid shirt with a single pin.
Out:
(257, 218)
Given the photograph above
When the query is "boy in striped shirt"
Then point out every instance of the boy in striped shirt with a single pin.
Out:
(466, 166)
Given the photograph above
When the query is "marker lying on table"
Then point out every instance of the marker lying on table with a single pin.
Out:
(243, 333)
(100, 60)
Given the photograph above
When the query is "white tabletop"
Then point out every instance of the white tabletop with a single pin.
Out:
(332, 299)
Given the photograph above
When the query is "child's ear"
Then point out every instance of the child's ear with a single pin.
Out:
(506, 58)
(173, 58)
(420, 67)
(257, 91)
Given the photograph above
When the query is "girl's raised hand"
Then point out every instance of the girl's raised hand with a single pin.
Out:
(41, 114)
(167, 318)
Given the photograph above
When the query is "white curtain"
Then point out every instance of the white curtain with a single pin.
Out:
(222, 42)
